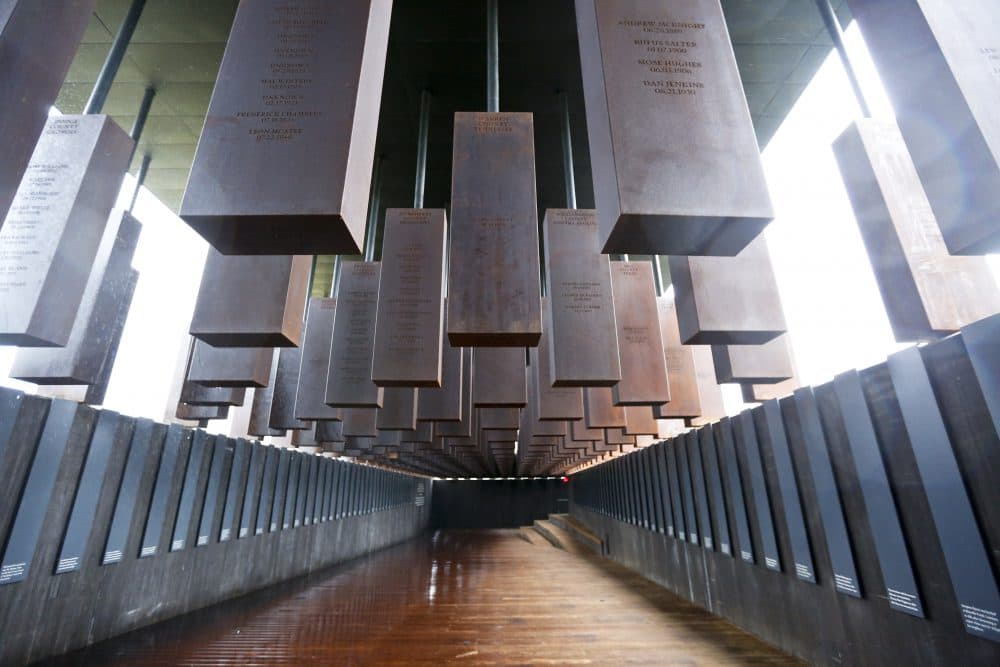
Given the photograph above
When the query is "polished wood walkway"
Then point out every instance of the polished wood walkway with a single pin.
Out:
(461, 597)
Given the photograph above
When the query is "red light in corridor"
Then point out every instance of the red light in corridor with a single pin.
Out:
(565, 479)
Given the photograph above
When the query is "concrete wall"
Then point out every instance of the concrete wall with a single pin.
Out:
(496, 503)
(937, 445)
(45, 447)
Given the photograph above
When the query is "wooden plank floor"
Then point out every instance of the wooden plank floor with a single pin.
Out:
(461, 597)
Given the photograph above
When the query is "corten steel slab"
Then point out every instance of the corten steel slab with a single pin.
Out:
(461, 427)
(283, 386)
(640, 344)
(493, 419)
(399, 409)
(727, 300)
(424, 433)
(927, 292)
(982, 344)
(305, 437)
(675, 161)
(230, 366)
(446, 403)
(499, 378)
(709, 392)
(939, 61)
(758, 393)
(247, 301)
(684, 400)
(493, 270)
(410, 323)
(97, 391)
(38, 39)
(360, 422)
(579, 311)
(388, 438)
(315, 348)
(639, 420)
(552, 403)
(56, 222)
(600, 410)
(260, 408)
(766, 363)
(580, 432)
(284, 162)
(329, 431)
(617, 436)
(199, 412)
(80, 362)
(196, 394)
(349, 381)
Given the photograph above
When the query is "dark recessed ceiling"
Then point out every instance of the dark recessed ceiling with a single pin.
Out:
(438, 45)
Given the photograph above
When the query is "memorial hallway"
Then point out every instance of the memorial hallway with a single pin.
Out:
(464, 597)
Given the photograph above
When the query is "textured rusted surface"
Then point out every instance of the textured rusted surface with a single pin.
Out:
(410, 320)
(296, 103)
(499, 377)
(315, 364)
(579, 311)
(251, 301)
(640, 345)
(399, 409)
(728, 300)
(552, 403)
(493, 279)
(446, 403)
(349, 381)
(927, 292)
(600, 409)
(766, 363)
(230, 366)
(675, 161)
(939, 61)
(684, 401)
(57, 220)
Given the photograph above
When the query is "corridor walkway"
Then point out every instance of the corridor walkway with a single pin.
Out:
(458, 597)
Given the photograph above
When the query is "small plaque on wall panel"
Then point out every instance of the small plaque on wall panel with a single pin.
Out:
(247, 301)
(55, 225)
(110, 432)
(146, 439)
(315, 364)
(961, 539)
(838, 542)
(64, 418)
(677, 170)
(727, 300)
(349, 382)
(724, 441)
(284, 162)
(410, 323)
(579, 311)
(883, 517)
(640, 346)
(938, 61)
(772, 435)
(753, 472)
(201, 444)
(494, 226)
(176, 443)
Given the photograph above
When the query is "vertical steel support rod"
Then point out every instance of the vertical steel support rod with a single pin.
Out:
(423, 129)
(140, 179)
(492, 57)
(837, 35)
(114, 60)
(373, 208)
(140, 120)
(567, 146)
(335, 282)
